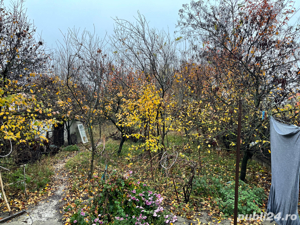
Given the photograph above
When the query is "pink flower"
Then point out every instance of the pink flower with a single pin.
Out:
(82, 213)
(75, 221)
(134, 191)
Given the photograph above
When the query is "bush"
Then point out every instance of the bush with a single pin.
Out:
(250, 199)
(120, 200)
(207, 186)
(71, 148)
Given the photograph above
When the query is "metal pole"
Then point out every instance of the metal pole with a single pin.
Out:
(237, 164)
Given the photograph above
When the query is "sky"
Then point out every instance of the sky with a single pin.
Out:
(51, 17)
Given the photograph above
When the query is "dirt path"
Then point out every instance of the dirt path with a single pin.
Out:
(47, 211)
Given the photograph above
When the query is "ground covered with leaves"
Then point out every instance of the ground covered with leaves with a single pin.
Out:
(212, 190)
(135, 187)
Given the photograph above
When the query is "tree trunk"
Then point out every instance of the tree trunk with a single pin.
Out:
(121, 144)
(93, 151)
(246, 157)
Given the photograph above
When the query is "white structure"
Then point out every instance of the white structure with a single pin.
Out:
(77, 132)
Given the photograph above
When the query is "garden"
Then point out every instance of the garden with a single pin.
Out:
(172, 134)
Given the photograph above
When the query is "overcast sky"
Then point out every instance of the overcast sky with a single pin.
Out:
(51, 16)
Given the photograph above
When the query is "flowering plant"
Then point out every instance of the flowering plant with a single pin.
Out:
(121, 200)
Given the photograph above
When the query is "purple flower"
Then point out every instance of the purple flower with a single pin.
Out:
(174, 219)
(148, 202)
(134, 191)
(96, 220)
(150, 192)
(75, 221)
(141, 194)
(138, 182)
(99, 215)
(144, 184)
(100, 222)
(130, 172)
(166, 216)
(82, 213)
(117, 218)
(167, 221)
(154, 214)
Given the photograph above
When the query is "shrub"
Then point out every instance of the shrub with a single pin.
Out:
(121, 200)
(250, 199)
(207, 186)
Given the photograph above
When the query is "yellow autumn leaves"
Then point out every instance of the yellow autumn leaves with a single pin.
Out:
(18, 111)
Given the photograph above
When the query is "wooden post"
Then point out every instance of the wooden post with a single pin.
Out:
(237, 164)
(5, 199)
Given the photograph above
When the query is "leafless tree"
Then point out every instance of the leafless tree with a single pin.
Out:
(84, 67)
(21, 54)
